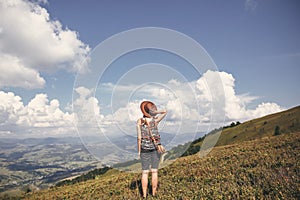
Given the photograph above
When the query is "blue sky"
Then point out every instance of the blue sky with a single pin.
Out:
(258, 43)
(255, 43)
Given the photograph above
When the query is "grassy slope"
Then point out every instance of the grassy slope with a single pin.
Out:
(265, 168)
(288, 122)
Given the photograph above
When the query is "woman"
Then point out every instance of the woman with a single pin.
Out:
(149, 146)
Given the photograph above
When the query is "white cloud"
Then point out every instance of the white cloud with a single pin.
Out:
(86, 109)
(15, 74)
(250, 5)
(36, 43)
(42, 113)
(189, 106)
(11, 109)
(39, 116)
(235, 105)
(264, 109)
(40, 1)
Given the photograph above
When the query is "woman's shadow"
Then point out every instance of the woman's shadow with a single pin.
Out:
(137, 185)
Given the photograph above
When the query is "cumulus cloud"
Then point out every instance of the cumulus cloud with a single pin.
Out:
(31, 42)
(11, 109)
(36, 118)
(86, 107)
(236, 105)
(44, 113)
(15, 74)
(189, 106)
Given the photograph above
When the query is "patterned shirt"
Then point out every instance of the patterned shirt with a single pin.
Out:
(147, 142)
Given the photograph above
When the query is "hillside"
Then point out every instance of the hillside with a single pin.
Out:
(287, 121)
(262, 169)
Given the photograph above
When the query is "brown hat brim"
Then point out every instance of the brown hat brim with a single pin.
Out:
(143, 108)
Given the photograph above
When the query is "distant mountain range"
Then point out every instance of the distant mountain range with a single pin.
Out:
(41, 161)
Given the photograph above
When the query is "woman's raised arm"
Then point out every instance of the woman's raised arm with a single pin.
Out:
(162, 113)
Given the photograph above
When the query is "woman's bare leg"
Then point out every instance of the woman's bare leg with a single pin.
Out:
(154, 181)
(145, 182)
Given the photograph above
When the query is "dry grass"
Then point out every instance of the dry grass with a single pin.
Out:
(266, 168)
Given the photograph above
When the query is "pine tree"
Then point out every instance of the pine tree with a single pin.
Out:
(277, 130)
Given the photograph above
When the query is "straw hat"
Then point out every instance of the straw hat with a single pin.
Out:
(145, 108)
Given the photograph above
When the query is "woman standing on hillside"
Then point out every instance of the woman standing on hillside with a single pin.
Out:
(149, 146)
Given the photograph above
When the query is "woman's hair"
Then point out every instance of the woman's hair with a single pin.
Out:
(148, 108)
